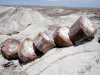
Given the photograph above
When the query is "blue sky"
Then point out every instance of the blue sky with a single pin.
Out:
(67, 3)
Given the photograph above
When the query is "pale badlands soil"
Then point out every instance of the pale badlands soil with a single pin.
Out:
(22, 22)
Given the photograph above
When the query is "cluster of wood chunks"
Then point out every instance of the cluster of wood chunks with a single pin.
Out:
(26, 50)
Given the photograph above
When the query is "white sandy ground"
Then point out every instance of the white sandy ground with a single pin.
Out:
(80, 60)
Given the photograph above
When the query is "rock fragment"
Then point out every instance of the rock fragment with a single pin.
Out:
(43, 43)
(61, 37)
(10, 48)
(82, 29)
(27, 52)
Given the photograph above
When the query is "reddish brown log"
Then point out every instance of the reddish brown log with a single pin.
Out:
(83, 28)
(61, 37)
(27, 52)
(43, 42)
(10, 48)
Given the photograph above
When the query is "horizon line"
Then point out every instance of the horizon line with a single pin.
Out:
(48, 6)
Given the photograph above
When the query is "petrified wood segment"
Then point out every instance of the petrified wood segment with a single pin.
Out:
(10, 48)
(61, 37)
(27, 52)
(43, 42)
(83, 28)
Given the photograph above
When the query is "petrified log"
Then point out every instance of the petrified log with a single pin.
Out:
(27, 52)
(82, 29)
(61, 37)
(10, 48)
(43, 43)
